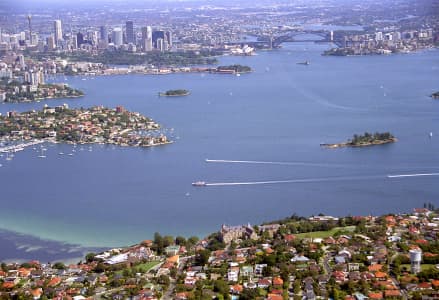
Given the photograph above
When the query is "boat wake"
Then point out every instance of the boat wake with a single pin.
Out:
(281, 163)
(309, 180)
(316, 180)
(412, 175)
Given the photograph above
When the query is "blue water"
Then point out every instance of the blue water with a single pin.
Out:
(280, 113)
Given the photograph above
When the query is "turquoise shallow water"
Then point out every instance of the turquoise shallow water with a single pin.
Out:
(280, 113)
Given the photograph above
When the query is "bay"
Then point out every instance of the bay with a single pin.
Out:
(113, 196)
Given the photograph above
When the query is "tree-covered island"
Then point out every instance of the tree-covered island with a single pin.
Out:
(235, 69)
(435, 95)
(15, 91)
(367, 139)
(85, 126)
(174, 93)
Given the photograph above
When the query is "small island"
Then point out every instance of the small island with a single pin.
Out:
(83, 126)
(367, 139)
(435, 95)
(174, 93)
(233, 69)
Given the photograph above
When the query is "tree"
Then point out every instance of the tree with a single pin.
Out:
(163, 279)
(90, 257)
(158, 243)
(193, 240)
(202, 257)
(59, 266)
(220, 286)
(180, 240)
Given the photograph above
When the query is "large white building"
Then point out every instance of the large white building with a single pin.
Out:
(117, 36)
(147, 38)
(415, 260)
(58, 30)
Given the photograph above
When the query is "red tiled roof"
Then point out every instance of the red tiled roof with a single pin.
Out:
(274, 297)
(278, 281)
(54, 281)
(392, 293)
(376, 295)
(375, 268)
(380, 275)
(8, 285)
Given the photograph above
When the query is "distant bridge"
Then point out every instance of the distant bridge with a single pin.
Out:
(291, 36)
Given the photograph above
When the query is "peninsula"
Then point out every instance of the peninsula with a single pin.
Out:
(84, 126)
(15, 91)
(367, 139)
(435, 95)
(175, 93)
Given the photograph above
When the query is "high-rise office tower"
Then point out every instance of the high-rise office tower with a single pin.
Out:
(58, 30)
(147, 38)
(117, 36)
(29, 18)
(74, 41)
(103, 37)
(50, 43)
(166, 38)
(169, 38)
(79, 39)
(131, 37)
(103, 34)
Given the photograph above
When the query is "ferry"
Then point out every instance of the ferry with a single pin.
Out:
(199, 183)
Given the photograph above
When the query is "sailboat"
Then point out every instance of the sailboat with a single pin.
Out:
(42, 153)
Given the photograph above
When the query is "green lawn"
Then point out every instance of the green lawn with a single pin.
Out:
(324, 234)
(423, 266)
(145, 267)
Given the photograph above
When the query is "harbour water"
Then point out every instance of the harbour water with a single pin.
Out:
(274, 119)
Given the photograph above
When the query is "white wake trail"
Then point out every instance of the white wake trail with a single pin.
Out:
(412, 175)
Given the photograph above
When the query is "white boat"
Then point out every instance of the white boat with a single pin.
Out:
(199, 183)
(42, 153)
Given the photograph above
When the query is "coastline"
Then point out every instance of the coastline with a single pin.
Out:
(23, 247)
(43, 99)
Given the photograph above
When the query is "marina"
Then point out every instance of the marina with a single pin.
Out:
(20, 146)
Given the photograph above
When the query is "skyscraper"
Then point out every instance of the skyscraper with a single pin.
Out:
(147, 38)
(29, 18)
(58, 30)
(104, 33)
(161, 40)
(103, 37)
(131, 37)
(50, 43)
(79, 39)
(117, 37)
